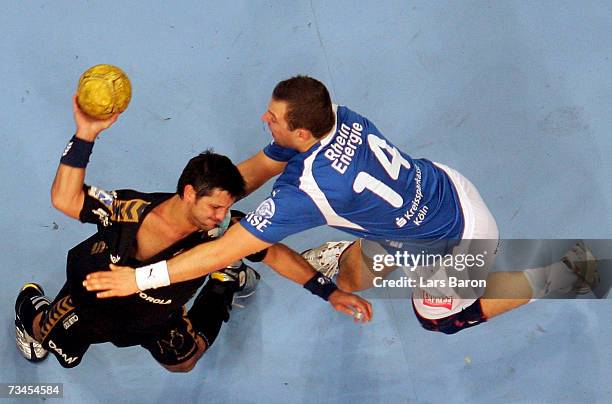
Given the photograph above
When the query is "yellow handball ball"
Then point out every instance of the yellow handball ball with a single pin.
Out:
(104, 90)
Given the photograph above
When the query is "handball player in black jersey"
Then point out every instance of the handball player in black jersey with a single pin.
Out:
(137, 229)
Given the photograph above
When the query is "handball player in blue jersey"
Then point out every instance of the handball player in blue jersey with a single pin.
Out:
(338, 169)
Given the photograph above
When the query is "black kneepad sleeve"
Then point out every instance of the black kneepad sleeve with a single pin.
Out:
(466, 318)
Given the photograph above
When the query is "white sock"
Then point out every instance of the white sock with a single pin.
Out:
(556, 277)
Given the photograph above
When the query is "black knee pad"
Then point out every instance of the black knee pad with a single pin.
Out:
(466, 318)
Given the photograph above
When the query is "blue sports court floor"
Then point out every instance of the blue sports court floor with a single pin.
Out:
(516, 95)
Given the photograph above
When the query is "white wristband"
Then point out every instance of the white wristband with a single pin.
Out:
(153, 276)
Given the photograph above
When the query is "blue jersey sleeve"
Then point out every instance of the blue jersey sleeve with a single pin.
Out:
(287, 211)
(278, 153)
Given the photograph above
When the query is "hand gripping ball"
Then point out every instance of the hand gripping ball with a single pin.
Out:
(104, 90)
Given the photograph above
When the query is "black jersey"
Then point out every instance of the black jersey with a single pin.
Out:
(118, 215)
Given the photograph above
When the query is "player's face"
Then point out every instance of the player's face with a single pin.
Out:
(208, 211)
(275, 118)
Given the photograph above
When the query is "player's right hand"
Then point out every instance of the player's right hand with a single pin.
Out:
(352, 305)
(119, 281)
(89, 128)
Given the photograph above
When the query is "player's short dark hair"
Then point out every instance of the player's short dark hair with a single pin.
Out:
(208, 171)
(309, 105)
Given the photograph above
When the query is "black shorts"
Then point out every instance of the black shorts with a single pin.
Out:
(69, 331)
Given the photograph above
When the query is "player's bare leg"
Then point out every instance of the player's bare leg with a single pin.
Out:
(350, 276)
(576, 272)
(36, 327)
(356, 270)
(505, 291)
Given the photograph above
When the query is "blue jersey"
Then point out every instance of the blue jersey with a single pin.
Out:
(357, 181)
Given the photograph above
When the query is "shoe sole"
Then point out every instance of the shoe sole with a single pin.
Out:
(30, 358)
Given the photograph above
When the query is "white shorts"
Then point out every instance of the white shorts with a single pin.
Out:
(479, 225)
(480, 234)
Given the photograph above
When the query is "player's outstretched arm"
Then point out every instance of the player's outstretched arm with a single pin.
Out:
(289, 264)
(294, 267)
(201, 260)
(258, 169)
(67, 190)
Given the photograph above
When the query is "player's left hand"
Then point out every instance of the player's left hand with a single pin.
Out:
(352, 305)
(119, 281)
